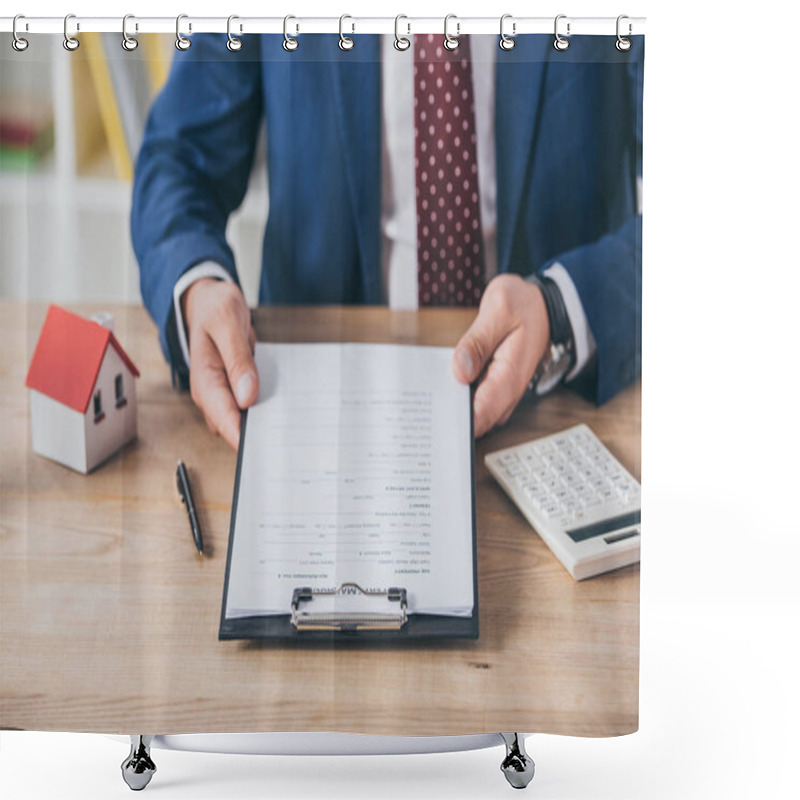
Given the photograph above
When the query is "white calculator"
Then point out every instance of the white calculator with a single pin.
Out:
(579, 498)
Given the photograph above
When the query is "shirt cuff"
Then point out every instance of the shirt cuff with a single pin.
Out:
(585, 345)
(205, 269)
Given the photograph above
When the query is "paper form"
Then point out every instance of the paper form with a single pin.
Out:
(356, 467)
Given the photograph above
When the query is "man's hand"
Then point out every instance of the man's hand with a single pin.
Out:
(223, 375)
(507, 339)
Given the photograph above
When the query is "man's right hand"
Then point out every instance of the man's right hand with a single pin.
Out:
(223, 375)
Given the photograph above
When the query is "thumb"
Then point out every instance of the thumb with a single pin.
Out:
(475, 348)
(237, 356)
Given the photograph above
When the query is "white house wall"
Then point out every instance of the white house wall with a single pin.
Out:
(118, 426)
(58, 431)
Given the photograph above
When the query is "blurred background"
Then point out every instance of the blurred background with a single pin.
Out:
(70, 130)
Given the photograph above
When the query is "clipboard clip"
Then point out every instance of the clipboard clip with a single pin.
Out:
(364, 609)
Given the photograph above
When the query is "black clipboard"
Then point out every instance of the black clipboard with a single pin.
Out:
(415, 626)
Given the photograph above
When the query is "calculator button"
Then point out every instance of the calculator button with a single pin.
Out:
(570, 507)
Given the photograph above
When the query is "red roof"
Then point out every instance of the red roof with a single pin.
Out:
(68, 356)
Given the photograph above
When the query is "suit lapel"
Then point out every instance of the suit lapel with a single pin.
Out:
(520, 76)
(357, 98)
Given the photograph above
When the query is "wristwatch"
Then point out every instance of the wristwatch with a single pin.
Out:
(560, 354)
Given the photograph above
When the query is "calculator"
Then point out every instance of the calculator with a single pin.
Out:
(583, 503)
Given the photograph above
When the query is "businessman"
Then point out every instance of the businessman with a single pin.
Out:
(422, 178)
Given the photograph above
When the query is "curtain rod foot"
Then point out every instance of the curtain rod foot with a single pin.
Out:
(517, 766)
(138, 768)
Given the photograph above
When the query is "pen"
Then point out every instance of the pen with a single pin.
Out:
(185, 491)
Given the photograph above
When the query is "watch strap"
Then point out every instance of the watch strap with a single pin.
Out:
(560, 328)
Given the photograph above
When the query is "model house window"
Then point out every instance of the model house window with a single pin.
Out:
(119, 393)
(98, 406)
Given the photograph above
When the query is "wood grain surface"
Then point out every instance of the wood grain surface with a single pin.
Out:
(109, 616)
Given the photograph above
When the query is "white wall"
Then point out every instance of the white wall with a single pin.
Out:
(57, 431)
(118, 426)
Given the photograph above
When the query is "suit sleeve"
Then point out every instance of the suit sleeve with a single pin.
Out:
(192, 171)
(607, 274)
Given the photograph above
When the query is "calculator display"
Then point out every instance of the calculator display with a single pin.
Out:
(605, 526)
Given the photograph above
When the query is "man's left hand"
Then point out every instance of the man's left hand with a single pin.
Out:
(503, 347)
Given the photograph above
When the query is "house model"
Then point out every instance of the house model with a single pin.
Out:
(83, 392)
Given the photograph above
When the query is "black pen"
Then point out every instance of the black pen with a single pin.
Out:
(185, 491)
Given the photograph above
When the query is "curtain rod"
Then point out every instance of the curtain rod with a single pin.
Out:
(512, 26)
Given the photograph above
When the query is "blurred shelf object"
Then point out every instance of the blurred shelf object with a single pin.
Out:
(70, 128)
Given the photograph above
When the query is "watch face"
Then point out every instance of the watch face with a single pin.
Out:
(552, 369)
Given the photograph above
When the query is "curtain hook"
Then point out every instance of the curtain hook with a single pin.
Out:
(18, 43)
(70, 42)
(233, 44)
(561, 43)
(507, 42)
(345, 42)
(289, 44)
(181, 42)
(451, 42)
(401, 42)
(129, 43)
(623, 44)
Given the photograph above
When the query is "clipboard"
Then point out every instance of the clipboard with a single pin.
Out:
(377, 621)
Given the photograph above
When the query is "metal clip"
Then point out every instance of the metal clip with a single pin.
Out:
(289, 44)
(561, 43)
(623, 44)
(451, 42)
(18, 43)
(233, 44)
(361, 613)
(507, 42)
(70, 42)
(401, 43)
(345, 42)
(129, 43)
(181, 42)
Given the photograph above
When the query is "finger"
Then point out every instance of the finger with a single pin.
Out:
(222, 414)
(493, 323)
(211, 391)
(232, 340)
(505, 381)
(496, 396)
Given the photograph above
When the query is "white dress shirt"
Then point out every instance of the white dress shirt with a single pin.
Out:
(398, 201)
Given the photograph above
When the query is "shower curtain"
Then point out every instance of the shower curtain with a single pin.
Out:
(163, 209)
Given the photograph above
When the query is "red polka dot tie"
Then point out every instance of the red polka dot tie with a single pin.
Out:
(450, 264)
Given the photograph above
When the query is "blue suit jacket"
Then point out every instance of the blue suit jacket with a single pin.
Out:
(568, 148)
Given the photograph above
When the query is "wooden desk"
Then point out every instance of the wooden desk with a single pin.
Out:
(109, 617)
